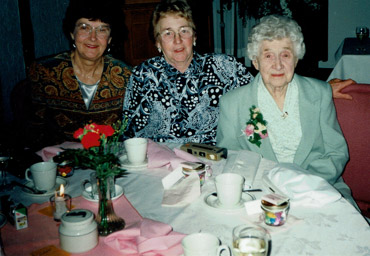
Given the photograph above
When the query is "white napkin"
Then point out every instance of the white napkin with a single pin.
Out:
(302, 188)
(244, 163)
(182, 193)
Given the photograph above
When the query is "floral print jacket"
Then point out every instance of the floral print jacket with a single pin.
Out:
(57, 101)
(166, 105)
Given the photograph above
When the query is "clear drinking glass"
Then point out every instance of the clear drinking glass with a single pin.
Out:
(249, 239)
(362, 33)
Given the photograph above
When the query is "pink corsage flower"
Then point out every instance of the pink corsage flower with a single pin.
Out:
(256, 129)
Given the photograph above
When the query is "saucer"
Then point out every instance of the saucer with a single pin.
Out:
(125, 164)
(87, 196)
(213, 202)
(59, 181)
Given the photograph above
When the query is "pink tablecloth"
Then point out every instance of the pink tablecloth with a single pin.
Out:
(43, 230)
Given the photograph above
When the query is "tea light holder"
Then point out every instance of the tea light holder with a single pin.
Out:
(61, 203)
(276, 208)
(275, 215)
(190, 167)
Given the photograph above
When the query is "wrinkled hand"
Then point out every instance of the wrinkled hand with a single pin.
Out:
(337, 85)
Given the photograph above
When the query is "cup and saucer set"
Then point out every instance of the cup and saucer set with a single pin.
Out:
(42, 180)
(136, 154)
(229, 195)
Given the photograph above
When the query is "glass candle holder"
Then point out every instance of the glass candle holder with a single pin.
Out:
(275, 215)
(60, 204)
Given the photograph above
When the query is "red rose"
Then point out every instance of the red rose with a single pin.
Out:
(107, 130)
(92, 127)
(78, 133)
(91, 139)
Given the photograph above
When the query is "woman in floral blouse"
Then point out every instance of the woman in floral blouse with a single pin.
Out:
(174, 97)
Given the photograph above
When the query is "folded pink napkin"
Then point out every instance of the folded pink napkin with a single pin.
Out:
(146, 238)
(161, 155)
(48, 153)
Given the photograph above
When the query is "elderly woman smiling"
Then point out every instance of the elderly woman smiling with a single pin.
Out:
(281, 115)
(174, 97)
(82, 85)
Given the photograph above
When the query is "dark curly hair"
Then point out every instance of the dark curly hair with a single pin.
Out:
(107, 11)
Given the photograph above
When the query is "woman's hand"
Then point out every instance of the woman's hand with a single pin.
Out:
(337, 85)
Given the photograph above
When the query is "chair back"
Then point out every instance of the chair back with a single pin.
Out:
(354, 119)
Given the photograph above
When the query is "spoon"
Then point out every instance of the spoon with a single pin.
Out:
(33, 190)
(244, 190)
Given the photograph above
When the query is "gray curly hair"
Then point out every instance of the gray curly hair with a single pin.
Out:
(274, 27)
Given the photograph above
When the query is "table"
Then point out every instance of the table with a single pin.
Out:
(352, 46)
(336, 229)
(353, 60)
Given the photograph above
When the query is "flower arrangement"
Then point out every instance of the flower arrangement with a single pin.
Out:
(100, 147)
(256, 127)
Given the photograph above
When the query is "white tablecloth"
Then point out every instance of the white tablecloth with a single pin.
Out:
(336, 229)
(356, 67)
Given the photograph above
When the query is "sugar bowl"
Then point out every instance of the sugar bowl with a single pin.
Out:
(78, 231)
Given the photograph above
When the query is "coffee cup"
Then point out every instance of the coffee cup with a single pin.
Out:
(229, 188)
(136, 149)
(43, 175)
(203, 244)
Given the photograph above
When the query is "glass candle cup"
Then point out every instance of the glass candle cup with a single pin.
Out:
(200, 168)
(60, 204)
(250, 239)
(275, 215)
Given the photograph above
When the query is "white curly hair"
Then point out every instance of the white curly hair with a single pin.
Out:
(274, 27)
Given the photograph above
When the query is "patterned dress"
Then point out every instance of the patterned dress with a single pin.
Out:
(58, 105)
(166, 105)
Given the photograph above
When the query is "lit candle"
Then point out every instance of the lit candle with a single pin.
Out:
(60, 203)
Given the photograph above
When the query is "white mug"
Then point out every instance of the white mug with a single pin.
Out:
(229, 188)
(136, 149)
(43, 175)
(203, 244)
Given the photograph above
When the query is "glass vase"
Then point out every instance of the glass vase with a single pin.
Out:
(108, 221)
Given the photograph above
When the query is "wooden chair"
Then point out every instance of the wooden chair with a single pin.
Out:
(354, 119)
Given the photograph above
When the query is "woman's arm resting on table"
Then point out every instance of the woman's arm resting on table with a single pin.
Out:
(337, 85)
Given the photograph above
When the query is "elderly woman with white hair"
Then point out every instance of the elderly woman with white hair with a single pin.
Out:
(285, 117)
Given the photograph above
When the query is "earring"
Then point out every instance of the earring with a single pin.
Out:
(108, 50)
(74, 46)
(194, 43)
(159, 50)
